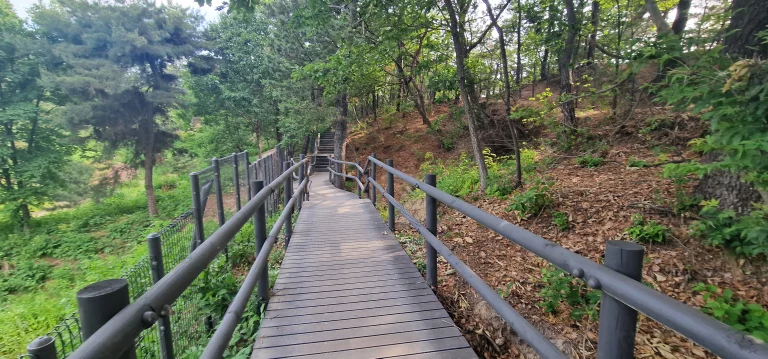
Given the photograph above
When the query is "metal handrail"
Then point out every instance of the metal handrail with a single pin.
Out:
(220, 340)
(717, 337)
(361, 170)
(119, 333)
(522, 327)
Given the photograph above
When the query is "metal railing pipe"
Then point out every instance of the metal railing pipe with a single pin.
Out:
(391, 191)
(718, 337)
(118, 333)
(512, 317)
(220, 340)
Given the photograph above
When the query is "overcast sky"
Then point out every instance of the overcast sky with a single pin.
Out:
(209, 12)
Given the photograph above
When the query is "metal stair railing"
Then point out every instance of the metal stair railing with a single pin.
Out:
(622, 296)
(118, 334)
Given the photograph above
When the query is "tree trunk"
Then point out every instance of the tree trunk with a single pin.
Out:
(375, 104)
(519, 69)
(507, 92)
(305, 147)
(258, 141)
(147, 127)
(568, 108)
(340, 134)
(749, 17)
(468, 93)
(594, 22)
(545, 65)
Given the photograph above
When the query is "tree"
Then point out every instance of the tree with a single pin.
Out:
(118, 66)
(457, 18)
(32, 153)
(726, 181)
(507, 90)
(567, 106)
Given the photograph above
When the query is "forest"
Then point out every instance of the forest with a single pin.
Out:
(581, 121)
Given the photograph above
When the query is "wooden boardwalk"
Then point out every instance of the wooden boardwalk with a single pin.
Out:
(346, 289)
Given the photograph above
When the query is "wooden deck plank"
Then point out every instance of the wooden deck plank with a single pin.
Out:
(346, 289)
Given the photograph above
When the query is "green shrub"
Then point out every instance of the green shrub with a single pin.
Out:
(560, 219)
(589, 161)
(647, 231)
(636, 163)
(560, 288)
(25, 276)
(751, 318)
(534, 199)
(746, 235)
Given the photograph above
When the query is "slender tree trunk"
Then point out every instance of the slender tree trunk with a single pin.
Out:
(375, 104)
(258, 140)
(519, 69)
(545, 64)
(147, 127)
(340, 134)
(507, 92)
(468, 93)
(568, 108)
(594, 23)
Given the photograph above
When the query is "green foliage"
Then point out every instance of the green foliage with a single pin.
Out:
(589, 161)
(645, 231)
(636, 163)
(448, 128)
(461, 178)
(745, 235)
(750, 318)
(534, 199)
(731, 97)
(560, 219)
(560, 288)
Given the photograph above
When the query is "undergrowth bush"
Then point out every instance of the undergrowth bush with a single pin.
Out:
(560, 220)
(589, 161)
(560, 288)
(535, 198)
(745, 235)
(645, 231)
(461, 178)
(751, 318)
(636, 163)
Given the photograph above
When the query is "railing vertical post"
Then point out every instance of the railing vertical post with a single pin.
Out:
(247, 175)
(42, 348)
(99, 302)
(302, 173)
(287, 194)
(236, 180)
(165, 335)
(391, 192)
(260, 233)
(197, 209)
(217, 187)
(431, 224)
(618, 322)
(359, 178)
(373, 176)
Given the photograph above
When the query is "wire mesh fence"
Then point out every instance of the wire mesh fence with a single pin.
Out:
(191, 321)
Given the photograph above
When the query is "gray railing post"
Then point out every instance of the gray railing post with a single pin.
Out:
(302, 173)
(260, 233)
(618, 322)
(247, 175)
(236, 180)
(287, 194)
(217, 188)
(391, 192)
(165, 335)
(99, 302)
(359, 178)
(373, 176)
(42, 348)
(197, 209)
(431, 224)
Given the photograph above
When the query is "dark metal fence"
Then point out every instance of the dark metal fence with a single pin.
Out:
(623, 296)
(224, 183)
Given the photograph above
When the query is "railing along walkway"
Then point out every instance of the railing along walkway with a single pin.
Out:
(346, 289)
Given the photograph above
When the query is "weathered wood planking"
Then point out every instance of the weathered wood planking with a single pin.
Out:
(346, 289)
